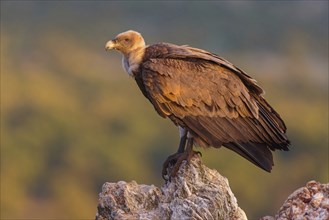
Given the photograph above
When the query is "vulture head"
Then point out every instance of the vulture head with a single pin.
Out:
(126, 42)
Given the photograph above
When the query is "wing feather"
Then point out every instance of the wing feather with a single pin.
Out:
(186, 84)
(216, 101)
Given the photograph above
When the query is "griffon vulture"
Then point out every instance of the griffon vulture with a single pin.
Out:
(213, 102)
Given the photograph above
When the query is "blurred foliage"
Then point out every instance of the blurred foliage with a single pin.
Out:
(72, 120)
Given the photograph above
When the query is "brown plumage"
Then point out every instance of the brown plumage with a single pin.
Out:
(212, 101)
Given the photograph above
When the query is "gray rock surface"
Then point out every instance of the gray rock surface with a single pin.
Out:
(196, 193)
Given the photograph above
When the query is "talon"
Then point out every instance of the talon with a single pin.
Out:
(173, 162)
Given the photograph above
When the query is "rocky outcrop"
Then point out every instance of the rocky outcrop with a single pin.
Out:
(197, 192)
(309, 202)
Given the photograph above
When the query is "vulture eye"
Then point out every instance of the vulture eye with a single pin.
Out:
(126, 39)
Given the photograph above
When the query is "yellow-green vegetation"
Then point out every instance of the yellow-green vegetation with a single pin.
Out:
(71, 119)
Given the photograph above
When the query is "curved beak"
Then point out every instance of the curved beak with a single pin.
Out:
(110, 45)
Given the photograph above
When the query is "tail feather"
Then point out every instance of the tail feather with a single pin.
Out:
(258, 154)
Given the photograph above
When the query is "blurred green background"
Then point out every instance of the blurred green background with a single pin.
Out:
(71, 119)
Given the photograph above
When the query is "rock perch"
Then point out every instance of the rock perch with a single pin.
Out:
(197, 192)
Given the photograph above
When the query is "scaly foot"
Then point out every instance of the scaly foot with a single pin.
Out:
(174, 161)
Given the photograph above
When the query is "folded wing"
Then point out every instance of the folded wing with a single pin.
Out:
(217, 102)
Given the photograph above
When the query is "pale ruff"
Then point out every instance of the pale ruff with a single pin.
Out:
(131, 62)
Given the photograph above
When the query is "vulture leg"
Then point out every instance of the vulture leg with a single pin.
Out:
(182, 142)
(174, 161)
(171, 160)
(181, 148)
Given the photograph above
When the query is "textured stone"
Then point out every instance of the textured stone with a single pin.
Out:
(309, 202)
(197, 192)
